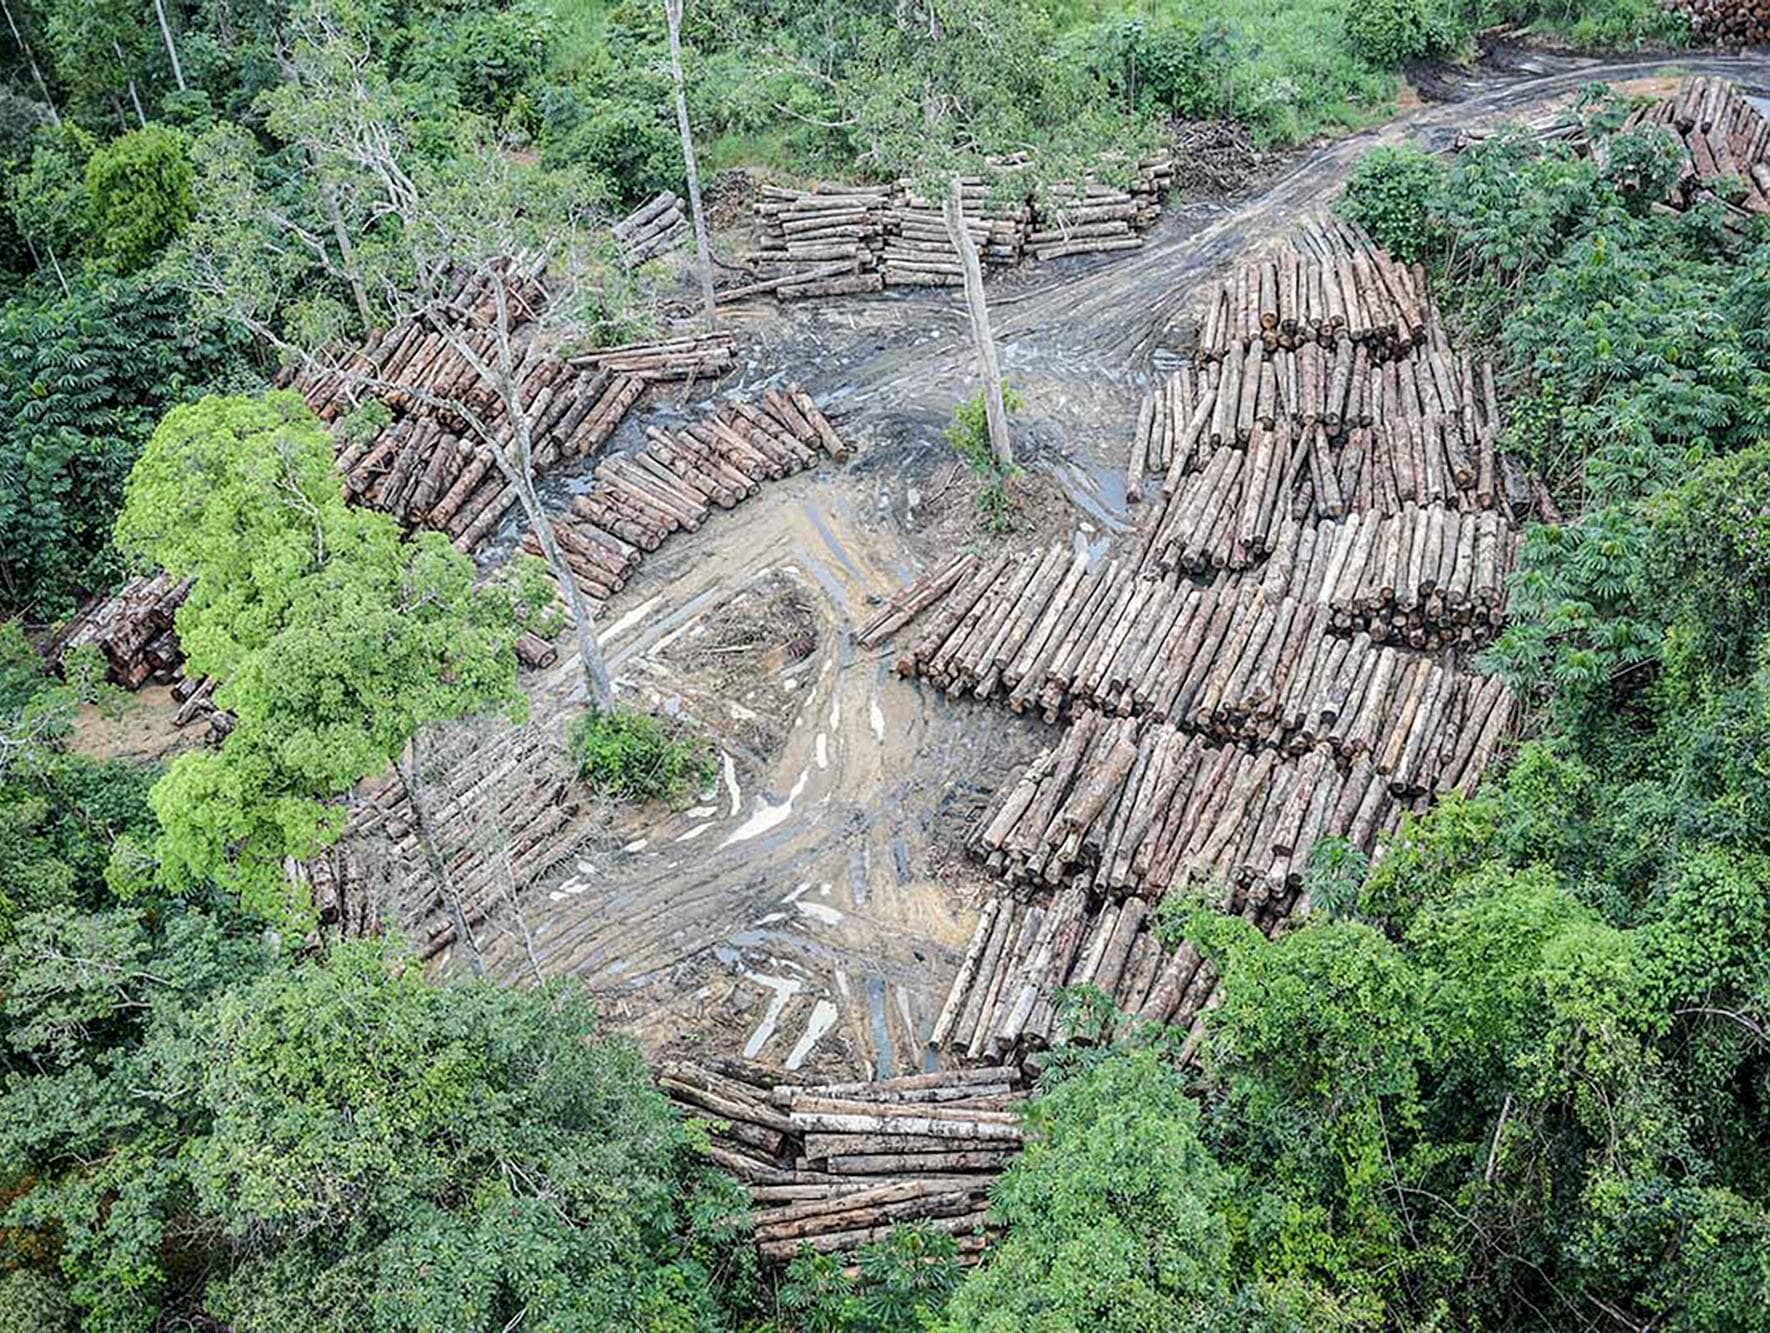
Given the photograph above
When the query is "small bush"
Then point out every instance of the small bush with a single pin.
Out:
(1390, 196)
(1388, 32)
(637, 757)
(969, 436)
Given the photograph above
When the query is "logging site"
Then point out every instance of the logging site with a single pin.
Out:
(1002, 665)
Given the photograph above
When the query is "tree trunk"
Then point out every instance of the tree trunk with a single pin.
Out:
(134, 96)
(703, 254)
(31, 59)
(411, 776)
(995, 410)
(346, 255)
(171, 47)
(599, 688)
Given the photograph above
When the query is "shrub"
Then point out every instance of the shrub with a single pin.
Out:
(141, 194)
(1388, 32)
(1390, 194)
(638, 757)
(969, 436)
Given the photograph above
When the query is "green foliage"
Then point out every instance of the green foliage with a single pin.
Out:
(1389, 32)
(1389, 194)
(141, 194)
(82, 381)
(365, 1149)
(1333, 875)
(334, 639)
(902, 1282)
(969, 437)
(1114, 1212)
(60, 813)
(633, 756)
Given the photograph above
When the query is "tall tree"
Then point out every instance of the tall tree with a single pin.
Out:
(703, 252)
(427, 225)
(334, 640)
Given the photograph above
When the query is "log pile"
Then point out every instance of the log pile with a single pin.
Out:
(1334, 286)
(1275, 665)
(654, 228)
(502, 808)
(1730, 22)
(1123, 807)
(1004, 999)
(1329, 430)
(345, 898)
(427, 467)
(674, 480)
(834, 240)
(1274, 661)
(834, 1166)
(1092, 217)
(700, 356)
(1723, 137)
(825, 241)
(133, 629)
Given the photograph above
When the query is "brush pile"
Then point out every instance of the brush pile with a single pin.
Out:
(654, 228)
(673, 481)
(834, 1166)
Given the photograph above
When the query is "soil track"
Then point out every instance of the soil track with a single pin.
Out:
(809, 910)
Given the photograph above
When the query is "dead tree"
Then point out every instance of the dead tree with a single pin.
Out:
(977, 307)
(703, 255)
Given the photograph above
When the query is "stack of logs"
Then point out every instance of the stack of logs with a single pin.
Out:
(1119, 806)
(824, 241)
(427, 467)
(132, 628)
(1092, 218)
(1251, 681)
(1723, 135)
(1005, 997)
(1334, 285)
(1284, 661)
(834, 1167)
(699, 356)
(1733, 22)
(345, 898)
(672, 482)
(654, 228)
(501, 805)
(838, 239)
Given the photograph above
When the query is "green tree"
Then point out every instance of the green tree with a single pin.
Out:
(334, 640)
(141, 194)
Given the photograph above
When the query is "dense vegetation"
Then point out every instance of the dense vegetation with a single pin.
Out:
(1515, 1077)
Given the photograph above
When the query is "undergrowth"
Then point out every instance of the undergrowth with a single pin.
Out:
(634, 756)
(969, 436)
